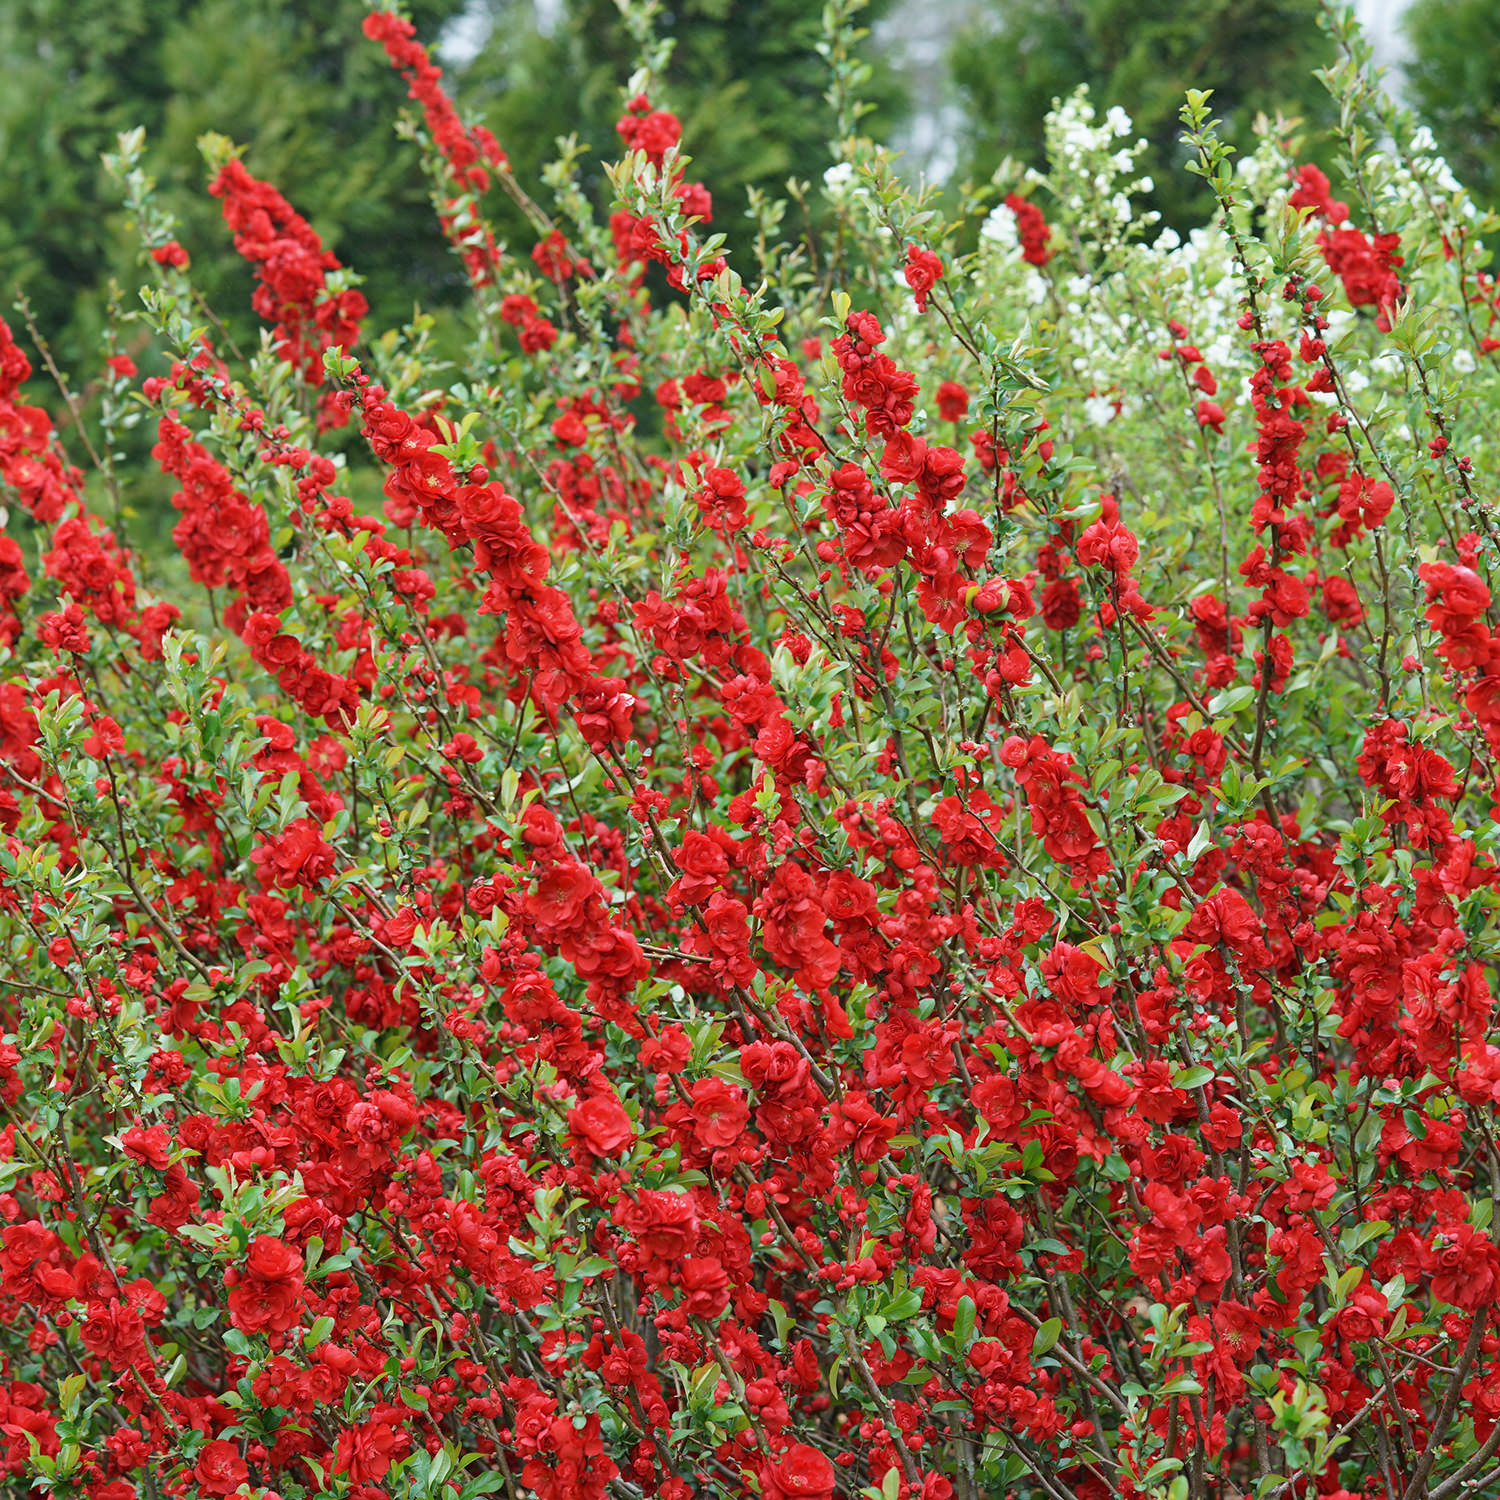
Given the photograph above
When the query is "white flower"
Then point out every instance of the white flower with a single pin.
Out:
(1463, 361)
(1099, 410)
(999, 228)
(1221, 353)
(1118, 121)
(838, 177)
(1168, 240)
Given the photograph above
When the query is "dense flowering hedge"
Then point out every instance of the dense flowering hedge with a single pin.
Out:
(872, 877)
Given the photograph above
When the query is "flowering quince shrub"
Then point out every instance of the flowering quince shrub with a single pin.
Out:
(871, 875)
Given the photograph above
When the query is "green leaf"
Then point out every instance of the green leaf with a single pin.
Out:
(907, 1305)
(1046, 1337)
(1360, 1236)
(1193, 1078)
(1183, 1385)
(963, 1322)
(485, 1484)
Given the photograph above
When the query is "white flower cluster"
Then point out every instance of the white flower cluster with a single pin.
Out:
(999, 229)
(1431, 166)
(1090, 170)
(838, 181)
(1103, 305)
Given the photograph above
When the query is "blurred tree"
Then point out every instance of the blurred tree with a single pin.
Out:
(745, 78)
(1256, 55)
(1453, 82)
(316, 106)
(298, 84)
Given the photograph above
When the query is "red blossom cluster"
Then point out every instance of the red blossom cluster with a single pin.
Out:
(471, 153)
(924, 270)
(541, 645)
(638, 238)
(226, 541)
(758, 953)
(84, 558)
(1035, 232)
(292, 267)
(1366, 265)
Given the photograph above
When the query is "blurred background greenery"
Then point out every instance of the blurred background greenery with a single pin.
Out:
(958, 84)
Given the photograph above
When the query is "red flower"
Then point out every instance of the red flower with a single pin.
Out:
(297, 857)
(706, 1284)
(147, 1145)
(1314, 191)
(170, 254)
(924, 270)
(952, 401)
(1033, 228)
(1465, 1268)
(1367, 269)
(801, 1473)
(267, 1295)
(720, 1113)
(220, 1470)
(601, 1125)
(665, 1225)
(366, 1453)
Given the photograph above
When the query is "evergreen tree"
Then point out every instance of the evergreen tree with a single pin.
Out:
(745, 78)
(297, 84)
(315, 105)
(1453, 82)
(1256, 55)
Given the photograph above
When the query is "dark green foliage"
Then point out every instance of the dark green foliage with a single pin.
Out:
(1453, 82)
(1256, 55)
(745, 79)
(314, 102)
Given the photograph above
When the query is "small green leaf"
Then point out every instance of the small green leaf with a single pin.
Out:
(963, 1322)
(907, 1305)
(1046, 1336)
(1193, 1078)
